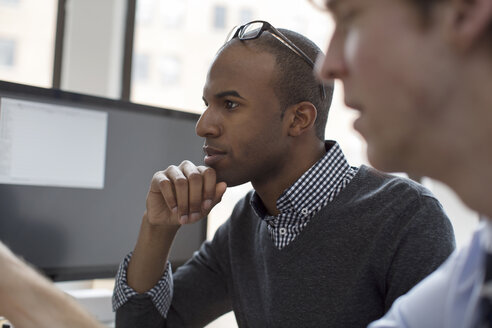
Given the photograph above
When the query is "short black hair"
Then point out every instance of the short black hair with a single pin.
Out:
(294, 80)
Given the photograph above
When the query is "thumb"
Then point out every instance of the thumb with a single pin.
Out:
(220, 189)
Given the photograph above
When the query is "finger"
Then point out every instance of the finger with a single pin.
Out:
(219, 192)
(160, 184)
(180, 184)
(209, 186)
(195, 183)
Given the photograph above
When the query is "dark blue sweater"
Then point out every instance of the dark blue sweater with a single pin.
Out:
(372, 243)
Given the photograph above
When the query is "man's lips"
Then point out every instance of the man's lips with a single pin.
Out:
(213, 155)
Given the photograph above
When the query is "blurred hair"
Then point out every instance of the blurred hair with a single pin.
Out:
(425, 8)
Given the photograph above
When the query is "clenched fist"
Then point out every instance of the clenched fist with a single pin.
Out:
(183, 194)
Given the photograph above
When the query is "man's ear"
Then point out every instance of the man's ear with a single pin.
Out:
(300, 117)
(471, 20)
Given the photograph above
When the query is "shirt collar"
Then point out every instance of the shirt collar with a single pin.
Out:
(313, 187)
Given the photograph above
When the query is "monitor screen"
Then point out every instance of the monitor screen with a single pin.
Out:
(74, 175)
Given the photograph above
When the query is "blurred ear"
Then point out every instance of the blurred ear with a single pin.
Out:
(471, 19)
(300, 118)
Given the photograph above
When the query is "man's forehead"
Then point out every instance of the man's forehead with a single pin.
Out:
(239, 65)
(335, 5)
(332, 4)
(243, 54)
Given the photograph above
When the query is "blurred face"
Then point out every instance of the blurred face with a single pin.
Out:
(395, 73)
(245, 138)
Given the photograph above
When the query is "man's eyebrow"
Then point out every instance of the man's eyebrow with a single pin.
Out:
(228, 93)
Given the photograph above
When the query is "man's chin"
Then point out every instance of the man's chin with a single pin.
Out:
(383, 160)
(230, 179)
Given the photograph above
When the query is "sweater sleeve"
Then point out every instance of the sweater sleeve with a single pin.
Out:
(201, 286)
(128, 304)
(424, 242)
(200, 292)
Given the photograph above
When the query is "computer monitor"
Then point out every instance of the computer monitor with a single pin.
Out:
(74, 174)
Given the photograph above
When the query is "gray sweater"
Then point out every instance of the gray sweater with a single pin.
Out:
(372, 243)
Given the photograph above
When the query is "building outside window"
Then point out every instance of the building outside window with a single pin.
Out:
(169, 70)
(7, 52)
(245, 15)
(27, 33)
(172, 13)
(9, 2)
(140, 67)
(219, 17)
(145, 11)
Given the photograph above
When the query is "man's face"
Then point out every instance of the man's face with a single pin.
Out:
(394, 71)
(245, 138)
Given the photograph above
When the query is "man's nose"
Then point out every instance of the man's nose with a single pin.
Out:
(332, 65)
(208, 125)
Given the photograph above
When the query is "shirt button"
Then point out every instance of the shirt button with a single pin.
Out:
(304, 211)
(282, 231)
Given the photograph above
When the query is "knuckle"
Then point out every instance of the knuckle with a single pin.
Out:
(185, 163)
(163, 183)
(183, 209)
(170, 168)
(195, 207)
(209, 172)
(195, 177)
(181, 182)
(158, 175)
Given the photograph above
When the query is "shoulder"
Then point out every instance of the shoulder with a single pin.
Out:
(399, 201)
(444, 291)
(391, 187)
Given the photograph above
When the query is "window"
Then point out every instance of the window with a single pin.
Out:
(145, 10)
(181, 37)
(140, 69)
(9, 2)
(172, 13)
(27, 33)
(219, 17)
(169, 70)
(245, 16)
(7, 52)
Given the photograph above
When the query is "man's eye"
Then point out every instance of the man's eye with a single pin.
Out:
(230, 104)
(344, 20)
(349, 16)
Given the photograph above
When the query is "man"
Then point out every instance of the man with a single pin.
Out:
(317, 244)
(420, 73)
(29, 300)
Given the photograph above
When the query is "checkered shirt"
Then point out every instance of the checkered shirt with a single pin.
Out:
(161, 294)
(310, 193)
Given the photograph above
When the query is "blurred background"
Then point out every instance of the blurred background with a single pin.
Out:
(157, 52)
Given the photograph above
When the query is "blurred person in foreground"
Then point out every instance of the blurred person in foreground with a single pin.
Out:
(27, 299)
(420, 74)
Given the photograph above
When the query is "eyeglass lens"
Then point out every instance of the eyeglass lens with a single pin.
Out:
(250, 31)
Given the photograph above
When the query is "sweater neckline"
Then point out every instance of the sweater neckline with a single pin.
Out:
(305, 239)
